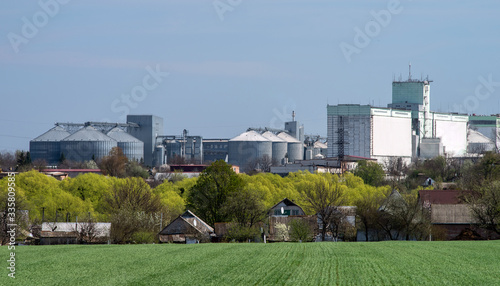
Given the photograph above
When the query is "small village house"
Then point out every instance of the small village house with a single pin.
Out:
(187, 228)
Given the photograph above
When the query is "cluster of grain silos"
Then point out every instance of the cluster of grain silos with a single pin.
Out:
(87, 143)
(295, 147)
(279, 147)
(247, 147)
(251, 145)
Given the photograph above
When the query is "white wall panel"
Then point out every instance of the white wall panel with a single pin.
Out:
(453, 136)
(391, 136)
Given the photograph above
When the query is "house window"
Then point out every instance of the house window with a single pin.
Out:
(295, 212)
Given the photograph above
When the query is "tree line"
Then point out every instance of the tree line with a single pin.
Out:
(137, 210)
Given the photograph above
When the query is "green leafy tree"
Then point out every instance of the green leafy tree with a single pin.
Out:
(246, 207)
(134, 169)
(301, 230)
(242, 233)
(321, 194)
(12, 205)
(367, 212)
(372, 173)
(91, 188)
(134, 208)
(215, 184)
(45, 195)
(173, 204)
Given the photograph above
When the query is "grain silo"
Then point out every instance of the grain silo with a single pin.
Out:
(48, 145)
(86, 144)
(295, 147)
(159, 156)
(320, 148)
(247, 147)
(132, 147)
(279, 146)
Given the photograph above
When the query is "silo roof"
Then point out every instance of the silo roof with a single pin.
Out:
(121, 136)
(88, 133)
(250, 136)
(319, 144)
(288, 138)
(272, 137)
(55, 134)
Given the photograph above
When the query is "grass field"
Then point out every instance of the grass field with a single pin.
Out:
(376, 263)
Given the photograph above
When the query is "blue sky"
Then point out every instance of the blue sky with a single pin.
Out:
(247, 64)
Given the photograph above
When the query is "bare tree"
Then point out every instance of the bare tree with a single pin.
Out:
(87, 231)
(485, 206)
(262, 164)
(114, 164)
(7, 161)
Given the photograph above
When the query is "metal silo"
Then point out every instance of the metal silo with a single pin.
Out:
(320, 148)
(295, 147)
(132, 147)
(279, 146)
(87, 143)
(159, 156)
(48, 145)
(247, 147)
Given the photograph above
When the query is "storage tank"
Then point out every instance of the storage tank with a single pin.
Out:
(295, 147)
(87, 143)
(173, 149)
(159, 156)
(48, 145)
(132, 147)
(247, 147)
(279, 146)
(320, 148)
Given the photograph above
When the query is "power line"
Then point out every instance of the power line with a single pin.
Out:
(12, 136)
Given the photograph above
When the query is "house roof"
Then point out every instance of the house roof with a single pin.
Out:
(58, 234)
(393, 197)
(287, 203)
(72, 170)
(190, 220)
(444, 197)
(60, 229)
(190, 217)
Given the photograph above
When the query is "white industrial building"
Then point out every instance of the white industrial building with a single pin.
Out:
(407, 128)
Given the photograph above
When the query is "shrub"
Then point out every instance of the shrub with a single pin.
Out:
(300, 230)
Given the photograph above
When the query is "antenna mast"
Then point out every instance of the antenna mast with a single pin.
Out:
(409, 73)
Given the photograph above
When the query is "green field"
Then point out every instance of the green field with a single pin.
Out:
(375, 263)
